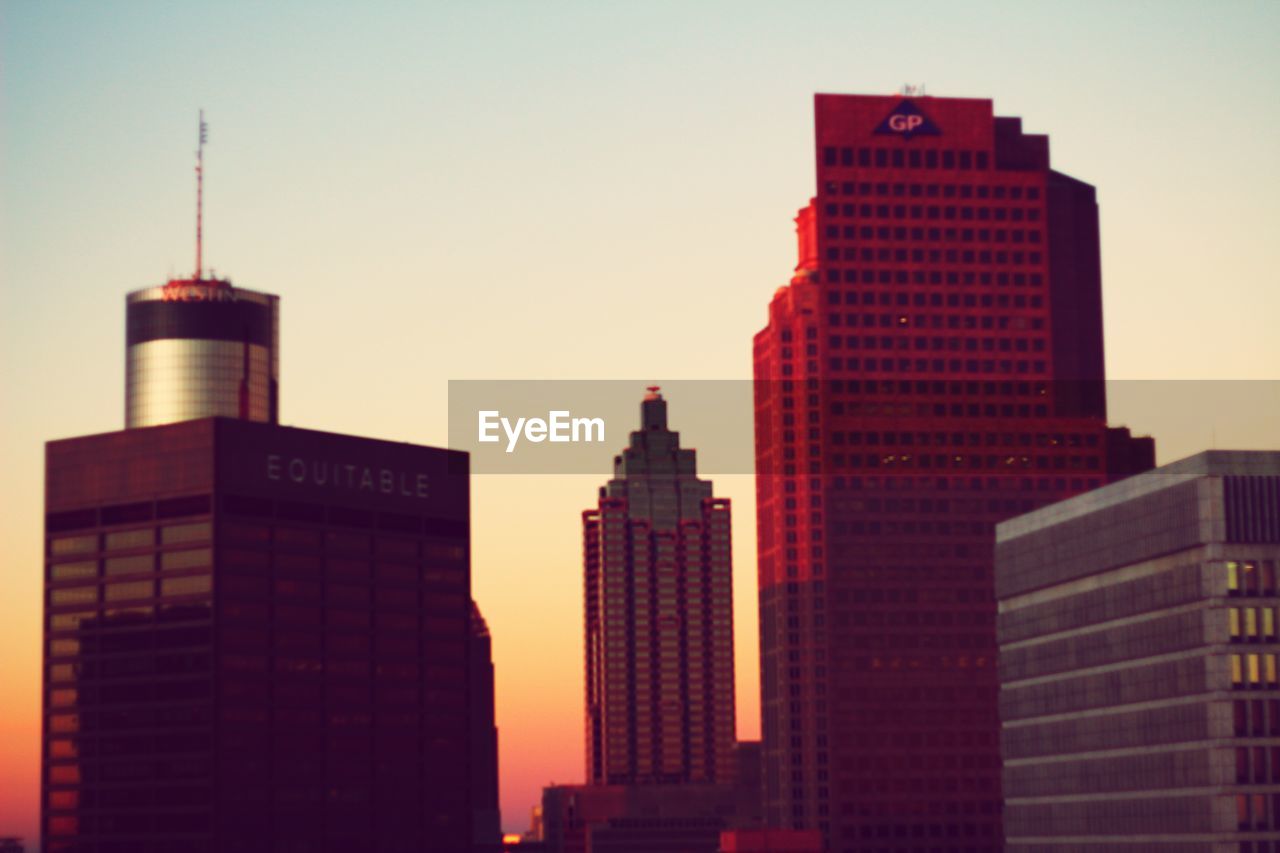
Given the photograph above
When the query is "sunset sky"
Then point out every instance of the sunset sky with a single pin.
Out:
(515, 190)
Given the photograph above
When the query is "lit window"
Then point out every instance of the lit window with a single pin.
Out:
(73, 545)
(129, 565)
(1249, 578)
(132, 589)
(74, 595)
(130, 539)
(195, 558)
(186, 586)
(67, 571)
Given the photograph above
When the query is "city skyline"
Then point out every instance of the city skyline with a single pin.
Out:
(97, 203)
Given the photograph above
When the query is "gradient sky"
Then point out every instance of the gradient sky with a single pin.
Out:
(552, 190)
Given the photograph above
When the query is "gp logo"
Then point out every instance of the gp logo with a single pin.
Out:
(903, 123)
(907, 120)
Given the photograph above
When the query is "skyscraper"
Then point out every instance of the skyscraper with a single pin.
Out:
(659, 617)
(1139, 685)
(255, 637)
(933, 367)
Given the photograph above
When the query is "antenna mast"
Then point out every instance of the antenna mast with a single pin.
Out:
(204, 137)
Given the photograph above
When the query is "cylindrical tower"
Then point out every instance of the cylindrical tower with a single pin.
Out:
(199, 347)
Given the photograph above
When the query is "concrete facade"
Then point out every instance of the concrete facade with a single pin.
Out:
(1139, 695)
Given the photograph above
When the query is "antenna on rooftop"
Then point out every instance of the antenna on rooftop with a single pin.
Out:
(204, 137)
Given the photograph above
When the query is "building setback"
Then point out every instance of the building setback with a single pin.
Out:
(256, 639)
(1138, 663)
(659, 618)
(933, 367)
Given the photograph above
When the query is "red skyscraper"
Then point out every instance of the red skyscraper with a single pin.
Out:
(933, 367)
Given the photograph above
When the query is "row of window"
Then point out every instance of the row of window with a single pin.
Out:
(1256, 717)
(934, 235)
(934, 277)
(1252, 811)
(1254, 671)
(961, 439)
(922, 320)
(902, 158)
(956, 367)
(127, 590)
(935, 300)
(1260, 846)
(1251, 577)
(914, 190)
(337, 541)
(924, 460)
(133, 616)
(953, 344)
(125, 539)
(903, 322)
(968, 387)
(940, 483)
(987, 366)
(191, 558)
(1252, 624)
(1257, 764)
(311, 567)
(964, 213)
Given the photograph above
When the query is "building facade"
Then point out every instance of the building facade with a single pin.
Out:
(659, 617)
(256, 639)
(198, 348)
(1138, 663)
(934, 366)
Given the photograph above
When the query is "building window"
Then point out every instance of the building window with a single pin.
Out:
(69, 571)
(129, 565)
(74, 595)
(200, 531)
(126, 539)
(186, 585)
(127, 590)
(73, 545)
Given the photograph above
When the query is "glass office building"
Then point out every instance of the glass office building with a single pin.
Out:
(257, 638)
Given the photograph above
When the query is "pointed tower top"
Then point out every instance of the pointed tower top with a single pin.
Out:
(653, 411)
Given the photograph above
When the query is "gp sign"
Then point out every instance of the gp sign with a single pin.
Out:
(903, 123)
(907, 120)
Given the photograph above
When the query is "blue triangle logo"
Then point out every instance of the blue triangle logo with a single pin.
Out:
(907, 121)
